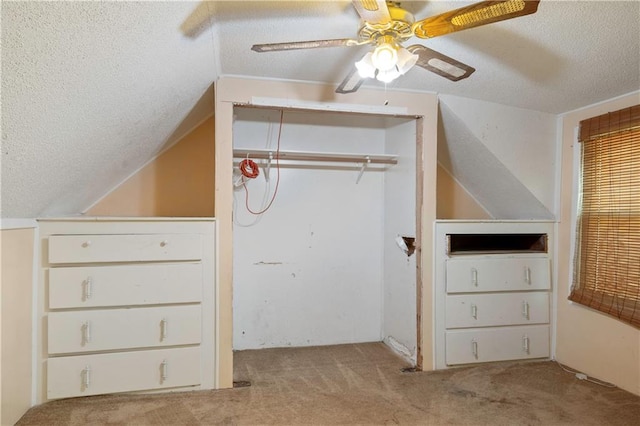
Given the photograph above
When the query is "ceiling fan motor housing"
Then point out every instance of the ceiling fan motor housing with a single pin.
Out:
(399, 27)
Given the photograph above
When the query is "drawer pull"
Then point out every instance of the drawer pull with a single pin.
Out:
(525, 344)
(88, 288)
(474, 348)
(164, 243)
(474, 277)
(525, 309)
(474, 311)
(86, 377)
(164, 325)
(86, 332)
(86, 244)
(527, 275)
(164, 370)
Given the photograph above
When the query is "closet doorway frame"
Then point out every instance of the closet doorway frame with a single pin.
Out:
(422, 108)
(417, 148)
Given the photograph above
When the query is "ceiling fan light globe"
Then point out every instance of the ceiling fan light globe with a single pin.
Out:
(365, 67)
(406, 60)
(385, 57)
(388, 76)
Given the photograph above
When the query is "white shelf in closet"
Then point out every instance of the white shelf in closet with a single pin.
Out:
(123, 303)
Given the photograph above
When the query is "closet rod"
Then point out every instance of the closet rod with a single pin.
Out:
(265, 154)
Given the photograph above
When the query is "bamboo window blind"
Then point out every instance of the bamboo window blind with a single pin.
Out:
(607, 262)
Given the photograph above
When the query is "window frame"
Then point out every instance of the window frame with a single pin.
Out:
(633, 121)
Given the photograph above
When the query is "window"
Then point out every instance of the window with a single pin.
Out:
(607, 262)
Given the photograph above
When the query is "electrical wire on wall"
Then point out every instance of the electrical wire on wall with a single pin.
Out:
(582, 376)
(249, 170)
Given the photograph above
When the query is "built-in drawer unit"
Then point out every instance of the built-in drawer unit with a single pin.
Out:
(497, 273)
(109, 329)
(487, 310)
(124, 371)
(497, 344)
(126, 304)
(96, 286)
(123, 248)
(493, 291)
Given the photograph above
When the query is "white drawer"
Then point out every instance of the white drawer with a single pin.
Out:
(121, 372)
(496, 344)
(75, 287)
(124, 248)
(497, 274)
(482, 310)
(99, 330)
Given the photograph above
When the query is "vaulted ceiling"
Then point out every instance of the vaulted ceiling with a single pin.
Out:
(92, 90)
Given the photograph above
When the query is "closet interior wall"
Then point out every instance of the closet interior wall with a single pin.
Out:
(400, 270)
(321, 265)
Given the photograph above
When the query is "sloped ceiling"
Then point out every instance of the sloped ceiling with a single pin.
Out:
(503, 194)
(92, 90)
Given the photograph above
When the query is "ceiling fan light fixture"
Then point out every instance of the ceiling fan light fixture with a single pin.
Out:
(365, 66)
(388, 76)
(385, 56)
(406, 60)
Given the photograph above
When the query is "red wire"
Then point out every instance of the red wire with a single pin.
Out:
(244, 183)
(249, 169)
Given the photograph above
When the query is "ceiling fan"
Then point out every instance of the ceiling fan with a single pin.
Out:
(385, 25)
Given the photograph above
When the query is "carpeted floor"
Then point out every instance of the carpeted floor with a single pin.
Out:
(361, 384)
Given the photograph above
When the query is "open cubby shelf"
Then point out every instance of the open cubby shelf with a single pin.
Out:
(496, 243)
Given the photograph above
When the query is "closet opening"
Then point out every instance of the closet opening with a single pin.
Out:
(322, 200)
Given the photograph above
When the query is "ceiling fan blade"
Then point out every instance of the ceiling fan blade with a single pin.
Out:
(295, 45)
(372, 11)
(472, 16)
(440, 64)
(351, 83)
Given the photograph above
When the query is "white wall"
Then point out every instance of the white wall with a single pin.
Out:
(512, 134)
(17, 252)
(587, 340)
(400, 321)
(309, 272)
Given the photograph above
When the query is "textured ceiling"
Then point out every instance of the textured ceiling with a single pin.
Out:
(567, 55)
(92, 90)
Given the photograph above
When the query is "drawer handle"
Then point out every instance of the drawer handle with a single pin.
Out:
(164, 243)
(86, 244)
(474, 277)
(88, 288)
(86, 377)
(527, 275)
(164, 325)
(164, 370)
(525, 309)
(86, 332)
(474, 348)
(474, 311)
(525, 344)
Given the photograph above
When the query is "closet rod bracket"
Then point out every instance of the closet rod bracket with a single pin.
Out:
(363, 168)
